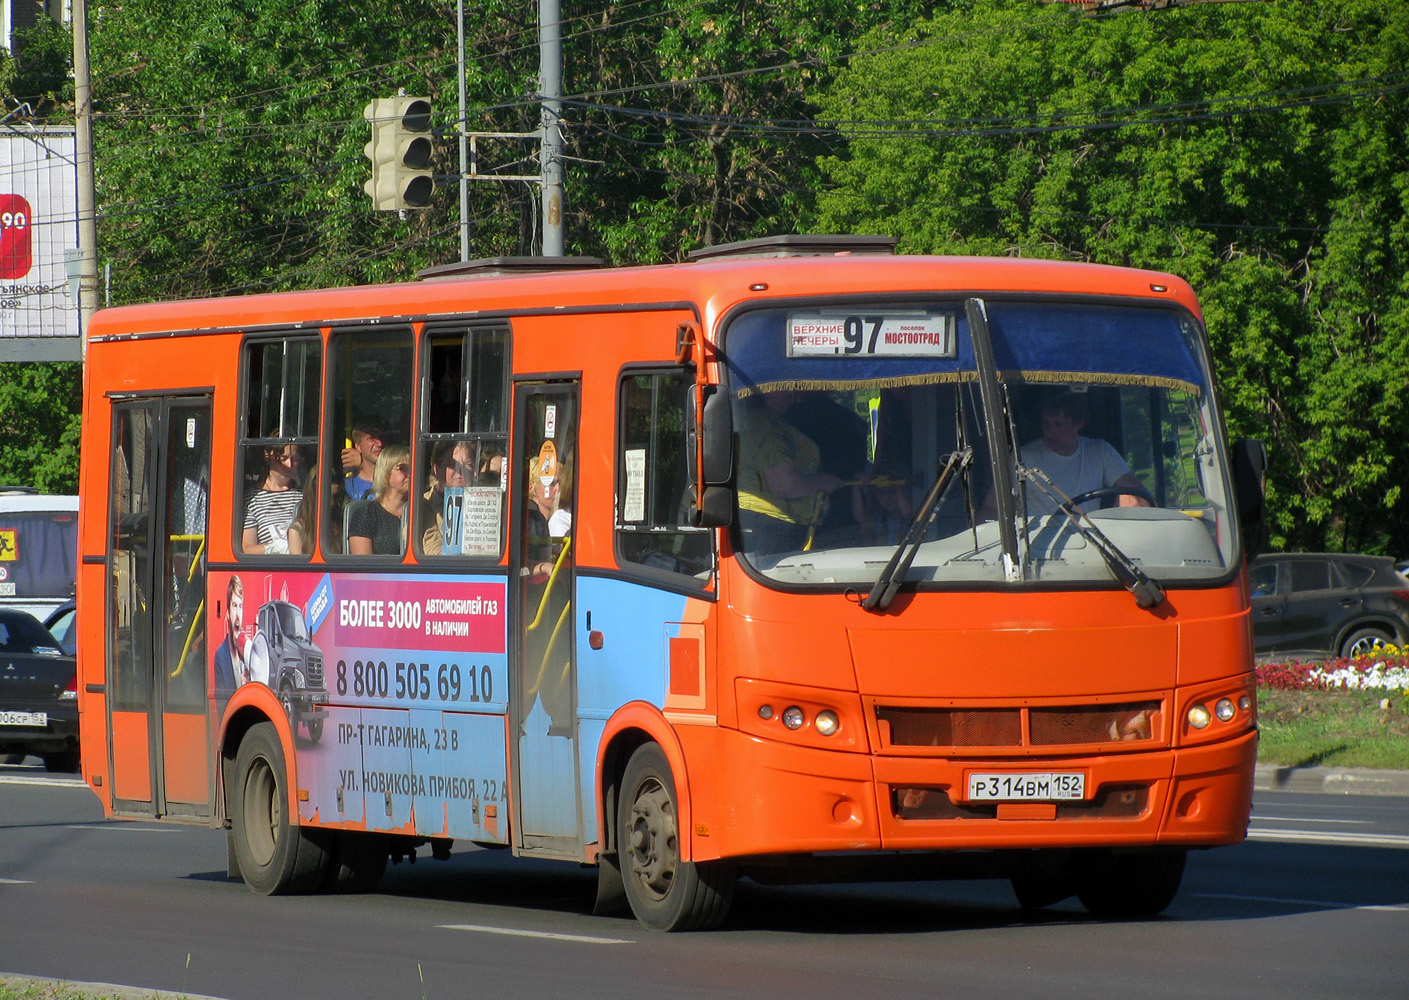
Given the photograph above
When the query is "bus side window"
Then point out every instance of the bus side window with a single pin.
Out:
(462, 446)
(652, 529)
(279, 446)
(370, 384)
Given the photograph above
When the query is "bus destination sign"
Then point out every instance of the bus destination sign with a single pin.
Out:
(871, 334)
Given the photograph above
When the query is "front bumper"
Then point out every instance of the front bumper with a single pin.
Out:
(804, 800)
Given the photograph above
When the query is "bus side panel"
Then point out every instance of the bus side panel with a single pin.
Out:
(638, 624)
(399, 684)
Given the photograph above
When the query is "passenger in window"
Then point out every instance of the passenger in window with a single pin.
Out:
(270, 509)
(782, 493)
(452, 465)
(359, 461)
(376, 525)
(301, 530)
(1076, 464)
(548, 522)
(491, 465)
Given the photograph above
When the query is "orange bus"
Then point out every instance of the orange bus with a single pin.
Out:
(798, 560)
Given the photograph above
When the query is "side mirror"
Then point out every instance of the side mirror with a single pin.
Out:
(709, 454)
(1249, 475)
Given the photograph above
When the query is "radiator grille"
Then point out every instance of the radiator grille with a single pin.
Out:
(1078, 724)
(953, 727)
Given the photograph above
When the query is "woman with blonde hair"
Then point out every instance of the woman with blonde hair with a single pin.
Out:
(376, 526)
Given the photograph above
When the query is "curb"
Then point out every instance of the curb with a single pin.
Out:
(105, 991)
(1331, 780)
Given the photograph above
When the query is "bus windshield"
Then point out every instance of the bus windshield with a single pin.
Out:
(847, 415)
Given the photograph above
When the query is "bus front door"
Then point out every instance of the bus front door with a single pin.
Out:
(157, 667)
(543, 686)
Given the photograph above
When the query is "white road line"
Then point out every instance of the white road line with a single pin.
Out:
(15, 881)
(579, 938)
(25, 779)
(1299, 819)
(122, 827)
(1319, 903)
(1318, 837)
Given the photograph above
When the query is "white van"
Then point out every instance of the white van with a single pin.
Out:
(38, 550)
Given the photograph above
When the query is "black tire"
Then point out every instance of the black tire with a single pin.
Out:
(1363, 640)
(315, 729)
(276, 856)
(665, 893)
(357, 862)
(64, 760)
(1137, 884)
(1036, 891)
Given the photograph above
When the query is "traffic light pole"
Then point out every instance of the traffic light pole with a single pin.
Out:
(550, 49)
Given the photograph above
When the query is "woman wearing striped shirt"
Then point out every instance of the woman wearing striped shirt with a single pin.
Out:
(270, 509)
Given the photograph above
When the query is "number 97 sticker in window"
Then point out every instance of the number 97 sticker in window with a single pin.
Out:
(890, 334)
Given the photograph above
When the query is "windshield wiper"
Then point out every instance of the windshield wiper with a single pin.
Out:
(883, 591)
(1147, 592)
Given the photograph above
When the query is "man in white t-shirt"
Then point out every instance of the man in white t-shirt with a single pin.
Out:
(1075, 464)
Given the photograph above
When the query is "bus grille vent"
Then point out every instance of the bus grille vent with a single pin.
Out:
(1078, 724)
(953, 727)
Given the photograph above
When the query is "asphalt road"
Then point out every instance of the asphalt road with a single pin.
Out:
(1315, 904)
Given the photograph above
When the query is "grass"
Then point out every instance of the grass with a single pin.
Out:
(1336, 728)
(22, 988)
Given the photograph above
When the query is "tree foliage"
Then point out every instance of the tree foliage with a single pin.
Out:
(1257, 150)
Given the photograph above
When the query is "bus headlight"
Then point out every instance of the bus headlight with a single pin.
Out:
(1199, 717)
(1225, 709)
(827, 722)
(793, 717)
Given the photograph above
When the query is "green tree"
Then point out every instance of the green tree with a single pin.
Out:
(39, 411)
(1257, 150)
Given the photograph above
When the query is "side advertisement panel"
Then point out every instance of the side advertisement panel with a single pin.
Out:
(396, 689)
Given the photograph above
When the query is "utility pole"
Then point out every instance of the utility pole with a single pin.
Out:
(87, 197)
(550, 49)
(464, 138)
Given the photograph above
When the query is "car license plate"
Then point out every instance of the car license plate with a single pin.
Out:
(1046, 786)
(24, 718)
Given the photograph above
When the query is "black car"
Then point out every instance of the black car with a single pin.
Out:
(1327, 603)
(38, 693)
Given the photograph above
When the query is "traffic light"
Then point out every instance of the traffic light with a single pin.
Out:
(400, 152)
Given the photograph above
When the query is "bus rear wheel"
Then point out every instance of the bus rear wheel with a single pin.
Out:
(665, 892)
(1135, 884)
(276, 856)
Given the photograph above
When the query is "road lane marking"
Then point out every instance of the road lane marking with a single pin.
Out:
(1299, 819)
(15, 881)
(25, 779)
(1318, 903)
(546, 935)
(1322, 837)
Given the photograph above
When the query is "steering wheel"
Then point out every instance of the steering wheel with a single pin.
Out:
(1109, 493)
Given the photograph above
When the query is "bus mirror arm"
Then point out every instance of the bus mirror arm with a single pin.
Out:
(1249, 475)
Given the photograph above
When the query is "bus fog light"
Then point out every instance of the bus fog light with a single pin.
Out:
(1199, 717)
(793, 717)
(827, 722)
(1224, 710)
(1245, 703)
(765, 712)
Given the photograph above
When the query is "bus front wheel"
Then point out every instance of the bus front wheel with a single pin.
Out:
(665, 892)
(276, 856)
(1135, 884)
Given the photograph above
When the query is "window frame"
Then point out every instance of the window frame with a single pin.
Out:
(671, 579)
(244, 440)
(425, 440)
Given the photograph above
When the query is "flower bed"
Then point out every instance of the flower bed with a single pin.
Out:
(1387, 668)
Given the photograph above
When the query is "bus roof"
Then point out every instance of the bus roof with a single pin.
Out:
(711, 285)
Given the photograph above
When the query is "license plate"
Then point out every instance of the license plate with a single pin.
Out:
(24, 718)
(1046, 786)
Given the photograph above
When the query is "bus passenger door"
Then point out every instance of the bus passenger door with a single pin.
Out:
(543, 667)
(157, 664)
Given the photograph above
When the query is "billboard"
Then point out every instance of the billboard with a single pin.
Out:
(38, 232)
